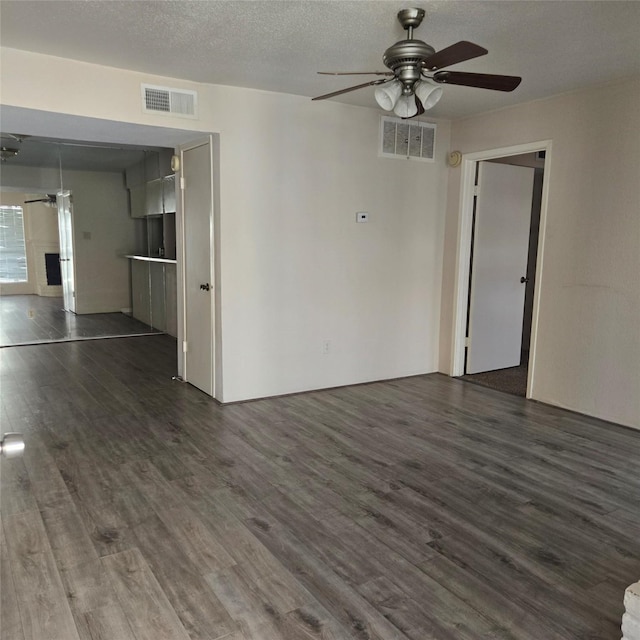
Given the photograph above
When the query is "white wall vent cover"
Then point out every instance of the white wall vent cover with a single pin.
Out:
(174, 102)
(414, 140)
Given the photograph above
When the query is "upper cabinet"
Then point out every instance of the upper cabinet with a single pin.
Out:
(151, 187)
(169, 194)
(155, 201)
(153, 198)
(138, 201)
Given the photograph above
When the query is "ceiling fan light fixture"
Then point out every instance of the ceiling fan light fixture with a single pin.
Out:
(388, 94)
(406, 107)
(7, 152)
(429, 93)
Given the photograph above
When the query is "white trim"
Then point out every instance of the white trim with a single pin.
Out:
(465, 219)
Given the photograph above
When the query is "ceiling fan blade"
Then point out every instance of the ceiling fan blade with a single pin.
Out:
(480, 80)
(458, 52)
(355, 73)
(341, 91)
(49, 198)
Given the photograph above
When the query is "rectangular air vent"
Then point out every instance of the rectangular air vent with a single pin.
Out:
(175, 102)
(414, 140)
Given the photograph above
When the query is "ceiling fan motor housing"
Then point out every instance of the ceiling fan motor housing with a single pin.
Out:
(405, 59)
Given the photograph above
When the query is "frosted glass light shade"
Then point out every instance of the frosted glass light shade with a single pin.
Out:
(406, 107)
(428, 93)
(387, 95)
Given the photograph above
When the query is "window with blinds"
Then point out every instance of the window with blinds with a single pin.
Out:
(13, 252)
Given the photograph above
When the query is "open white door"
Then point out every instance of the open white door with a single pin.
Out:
(199, 293)
(65, 235)
(499, 265)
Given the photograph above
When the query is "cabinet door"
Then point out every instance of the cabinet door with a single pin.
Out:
(141, 291)
(169, 194)
(171, 299)
(154, 197)
(138, 201)
(158, 297)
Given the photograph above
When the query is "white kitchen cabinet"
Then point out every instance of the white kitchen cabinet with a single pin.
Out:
(169, 194)
(154, 195)
(140, 291)
(138, 201)
(171, 293)
(154, 293)
(153, 198)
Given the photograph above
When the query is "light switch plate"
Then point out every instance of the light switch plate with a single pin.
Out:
(362, 216)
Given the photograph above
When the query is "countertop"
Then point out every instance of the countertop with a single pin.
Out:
(149, 259)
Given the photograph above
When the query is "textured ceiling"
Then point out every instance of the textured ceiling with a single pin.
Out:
(275, 45)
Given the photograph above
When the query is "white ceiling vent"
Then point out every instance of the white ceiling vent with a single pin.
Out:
(174, 102)
(401, 139)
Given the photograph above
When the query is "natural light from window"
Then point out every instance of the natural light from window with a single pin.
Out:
(13, 253)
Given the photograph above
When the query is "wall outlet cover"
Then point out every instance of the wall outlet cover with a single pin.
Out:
(362, 216)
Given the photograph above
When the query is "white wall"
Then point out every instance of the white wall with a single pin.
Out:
(588, 353)
(103, 232)
(295, 269)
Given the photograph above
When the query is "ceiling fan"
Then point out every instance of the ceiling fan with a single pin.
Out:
(49, 200)
(411, 86)
(6, 152)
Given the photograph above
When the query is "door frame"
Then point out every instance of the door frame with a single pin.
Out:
(463, 256)
(212, 141)
(70, 239)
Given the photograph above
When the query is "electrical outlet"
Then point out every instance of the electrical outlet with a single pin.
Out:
(326, 346)
(362, 216)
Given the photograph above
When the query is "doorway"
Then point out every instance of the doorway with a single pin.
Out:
(503, 211)
(86, 230)
(115, 133)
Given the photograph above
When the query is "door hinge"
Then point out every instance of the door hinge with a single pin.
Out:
(182, 182)
(475, 189)
(184, 346)
(467, 342)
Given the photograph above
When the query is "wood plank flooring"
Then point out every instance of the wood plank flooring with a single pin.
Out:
(417, 509)
(31, 319)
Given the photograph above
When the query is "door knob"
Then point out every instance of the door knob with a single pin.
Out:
(523, 280)
(205, 287)
(12, 445)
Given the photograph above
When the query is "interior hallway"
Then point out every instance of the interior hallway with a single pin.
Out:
(31, 319)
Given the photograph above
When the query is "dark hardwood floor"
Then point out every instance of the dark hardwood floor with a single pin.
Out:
(31, 319)
(423, 508)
